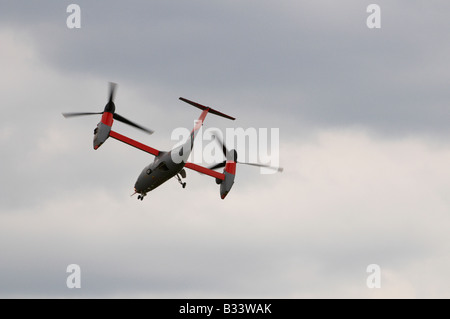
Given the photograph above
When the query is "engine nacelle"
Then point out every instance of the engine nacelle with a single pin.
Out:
(227, 183)
(101, 134)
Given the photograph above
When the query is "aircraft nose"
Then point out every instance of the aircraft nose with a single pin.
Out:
(138, 187)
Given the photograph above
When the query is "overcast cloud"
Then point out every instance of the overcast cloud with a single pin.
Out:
(362, 115)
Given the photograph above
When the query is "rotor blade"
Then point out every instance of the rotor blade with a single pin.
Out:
(278, 169)
(124, 120)
(81, 114)
(112, 91)
(224, 148)
(220, 165)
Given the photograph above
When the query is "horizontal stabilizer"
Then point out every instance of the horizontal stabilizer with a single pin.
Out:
(210, 110)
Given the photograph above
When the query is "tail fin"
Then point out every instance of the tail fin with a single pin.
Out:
(210, 110)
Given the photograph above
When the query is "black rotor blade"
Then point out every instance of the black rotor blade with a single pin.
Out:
(279, 169)
(112, 91)
(80, 114)
(221, 143)
(220, 165)
(126, 121)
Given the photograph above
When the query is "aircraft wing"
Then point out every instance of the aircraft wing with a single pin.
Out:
(205, 170)
(155, 152)
(134, 143)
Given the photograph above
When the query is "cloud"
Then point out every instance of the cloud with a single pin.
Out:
(322, 66)
(309, 232)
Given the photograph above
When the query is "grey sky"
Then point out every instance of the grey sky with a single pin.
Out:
(320, 64)
(363, 127)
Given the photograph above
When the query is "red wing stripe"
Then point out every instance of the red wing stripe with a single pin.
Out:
(134, 143)
(155, 152)
(205, 170)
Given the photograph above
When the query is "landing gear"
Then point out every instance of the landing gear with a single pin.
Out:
(180, 181)
(141, 197)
